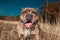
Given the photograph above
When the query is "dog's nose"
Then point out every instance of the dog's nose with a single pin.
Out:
(29, 16)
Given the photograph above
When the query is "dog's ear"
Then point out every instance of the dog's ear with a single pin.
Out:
(22, 8)
(36, 9)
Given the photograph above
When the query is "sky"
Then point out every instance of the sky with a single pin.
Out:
(13, 7)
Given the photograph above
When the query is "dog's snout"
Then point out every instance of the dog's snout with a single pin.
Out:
(29, 16)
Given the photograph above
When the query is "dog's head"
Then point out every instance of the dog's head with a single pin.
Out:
(29, 17)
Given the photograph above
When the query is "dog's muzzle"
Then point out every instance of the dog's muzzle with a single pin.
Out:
(29, 17)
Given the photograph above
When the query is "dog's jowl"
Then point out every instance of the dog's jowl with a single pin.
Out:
(28, 24)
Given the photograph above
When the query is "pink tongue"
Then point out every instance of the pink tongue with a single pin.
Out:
(28, 25)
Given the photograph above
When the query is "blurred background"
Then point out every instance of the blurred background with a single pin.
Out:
(13, 7)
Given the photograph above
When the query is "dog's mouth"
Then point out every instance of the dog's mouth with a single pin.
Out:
(29, 24)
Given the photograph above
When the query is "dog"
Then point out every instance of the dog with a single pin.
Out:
(28, 23)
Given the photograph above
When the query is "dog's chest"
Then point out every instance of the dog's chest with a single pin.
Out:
(23, 31)
(32, 30)
(30, 35)
(34, 33)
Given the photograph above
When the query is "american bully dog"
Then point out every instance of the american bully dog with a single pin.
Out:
(28, 24)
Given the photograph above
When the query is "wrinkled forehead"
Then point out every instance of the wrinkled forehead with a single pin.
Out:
(29, 9)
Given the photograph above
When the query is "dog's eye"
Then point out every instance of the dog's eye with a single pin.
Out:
(34, 12)
(24, 12)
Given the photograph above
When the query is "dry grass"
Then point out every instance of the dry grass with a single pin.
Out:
(8, 31)
(47, 32)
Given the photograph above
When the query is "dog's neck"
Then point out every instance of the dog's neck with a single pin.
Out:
(23, 30)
